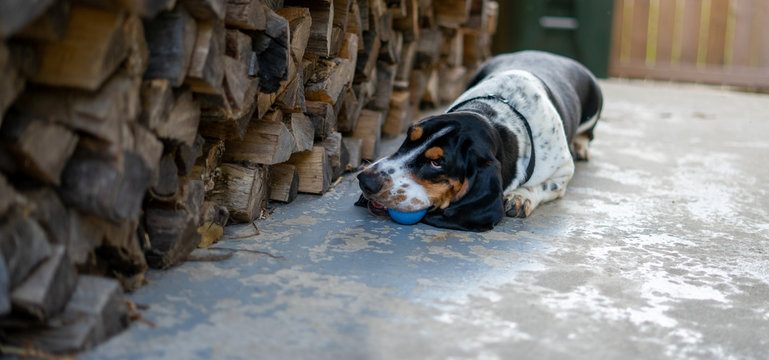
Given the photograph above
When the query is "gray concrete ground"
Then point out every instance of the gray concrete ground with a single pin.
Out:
(660, 249)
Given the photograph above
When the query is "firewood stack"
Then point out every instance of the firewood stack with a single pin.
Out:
(133, 131)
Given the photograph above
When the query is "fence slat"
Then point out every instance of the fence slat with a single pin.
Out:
(719, 14)
(640, 29)
(744, 12)
(690, 31)
(667, 22)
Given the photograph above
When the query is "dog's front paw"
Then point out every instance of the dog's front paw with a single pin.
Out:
(518, 205)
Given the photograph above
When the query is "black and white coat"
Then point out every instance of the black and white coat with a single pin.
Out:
(506, 145)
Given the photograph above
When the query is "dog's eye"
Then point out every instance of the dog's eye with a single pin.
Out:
(434, 164)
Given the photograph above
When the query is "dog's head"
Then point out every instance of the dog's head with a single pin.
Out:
(445, 164)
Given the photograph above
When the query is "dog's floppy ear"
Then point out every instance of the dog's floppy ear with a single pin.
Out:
(480, 207)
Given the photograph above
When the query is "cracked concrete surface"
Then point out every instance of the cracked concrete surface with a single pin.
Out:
(658, 250)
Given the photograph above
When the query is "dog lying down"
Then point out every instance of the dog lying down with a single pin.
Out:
(506, 145)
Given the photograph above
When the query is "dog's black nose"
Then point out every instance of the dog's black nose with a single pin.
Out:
(369, 183)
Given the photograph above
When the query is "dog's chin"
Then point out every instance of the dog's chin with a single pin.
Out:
(377, 209)
(373, 207)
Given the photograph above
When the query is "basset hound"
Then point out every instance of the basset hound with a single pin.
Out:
(506, 145)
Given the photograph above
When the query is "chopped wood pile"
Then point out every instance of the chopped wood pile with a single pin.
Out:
(132, 132)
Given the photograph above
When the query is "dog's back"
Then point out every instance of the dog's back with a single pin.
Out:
(571, 87)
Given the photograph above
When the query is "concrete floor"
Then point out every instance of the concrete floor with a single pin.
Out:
(660, 249)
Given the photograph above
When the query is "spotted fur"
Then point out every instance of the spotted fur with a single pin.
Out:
(507, 144)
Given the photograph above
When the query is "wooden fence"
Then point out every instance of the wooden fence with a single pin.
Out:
(706, 41)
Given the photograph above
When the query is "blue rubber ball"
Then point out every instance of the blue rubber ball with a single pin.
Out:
(407, 218)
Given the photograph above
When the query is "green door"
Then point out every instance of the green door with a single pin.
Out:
(580, 29)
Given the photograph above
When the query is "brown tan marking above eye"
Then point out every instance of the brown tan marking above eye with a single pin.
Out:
(416, 133)
(434, 153)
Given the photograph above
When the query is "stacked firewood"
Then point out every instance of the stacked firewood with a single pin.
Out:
(131, 132)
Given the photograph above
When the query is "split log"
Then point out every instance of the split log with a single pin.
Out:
(182, 123)
(349, 49)
(24, 245)
(453, 47)
(329, 79)
(245, 14)
(385, 76)
(267, 141)
(416, 88)
(369, 130)
(157, 99)
(172, 229)
(13, 82)
(167, 180)
(290, 92)
(238, 46)
(171, 40)
(476, 49)
(367, 56)
(390, 51)
(138, 52)
(227, 116)
(16, 14)
(284, 183)
(349, 112)
(399, 115)
(314, 170)
(405, 65)
(338, 157)
(452, 13)
(353, 146)
(206, 70)
(41, 148)
(8, 196)
(51, 214)
(322, 13)
(47, 289)
(96, 186)
(213, 219)
(242, 190)
(322, 116)
(354, 21)
(452, 82)
(91, 49)
(339, 25)
(206, 167)
(186, 156)
(205, 9)
(428, 48)
(430, 95)
(100, 114)
(272, 49)
(144, 143)
(302, 129)
(49, 26)
(117, 251)
(5, 287)
(96, 311)
(408, 24)
(300, 23)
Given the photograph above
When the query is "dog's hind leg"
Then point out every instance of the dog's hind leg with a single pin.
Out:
(520, 202)
(579, 147)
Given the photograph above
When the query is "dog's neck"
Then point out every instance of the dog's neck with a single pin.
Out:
(518, 167)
